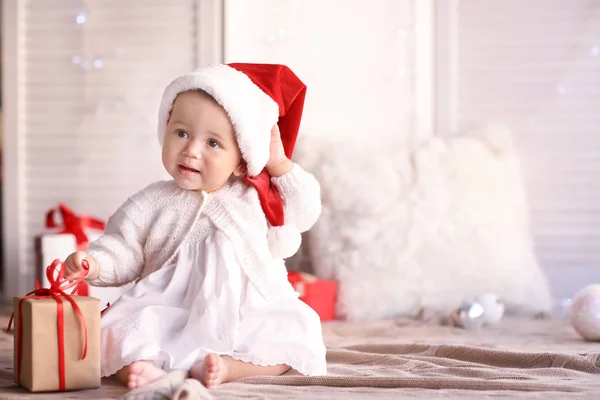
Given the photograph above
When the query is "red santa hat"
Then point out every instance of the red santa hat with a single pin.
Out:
(255, 97)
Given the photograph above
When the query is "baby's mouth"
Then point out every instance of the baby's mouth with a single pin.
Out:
(188, 169)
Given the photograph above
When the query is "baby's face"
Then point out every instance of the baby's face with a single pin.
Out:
(200, 151)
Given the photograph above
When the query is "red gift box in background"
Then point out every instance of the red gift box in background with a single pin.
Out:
(75, 225)
(317, 293)
(66, 233)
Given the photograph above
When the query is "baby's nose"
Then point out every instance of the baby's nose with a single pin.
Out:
(193, 150)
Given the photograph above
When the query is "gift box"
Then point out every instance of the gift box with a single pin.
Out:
(319, 294)
(56, 339)
(54, 246)
(68, 233)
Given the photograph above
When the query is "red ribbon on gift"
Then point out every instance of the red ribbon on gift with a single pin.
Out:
(299, 280)
(58, 284)
(73, 224)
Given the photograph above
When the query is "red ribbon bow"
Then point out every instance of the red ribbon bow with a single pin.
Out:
(58, 285)
(299, 281)
(73, 224)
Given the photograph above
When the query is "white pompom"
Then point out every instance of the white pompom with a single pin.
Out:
(284, 241)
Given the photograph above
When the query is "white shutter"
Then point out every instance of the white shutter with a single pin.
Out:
(535, 65)
(90, 76)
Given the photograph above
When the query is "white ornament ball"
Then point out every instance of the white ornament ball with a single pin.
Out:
(493, 308)
(585, 312)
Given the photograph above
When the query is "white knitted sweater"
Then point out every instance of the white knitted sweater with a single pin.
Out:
(146, 232)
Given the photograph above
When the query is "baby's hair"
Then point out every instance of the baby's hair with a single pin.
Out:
(202, 92)
(199, 91)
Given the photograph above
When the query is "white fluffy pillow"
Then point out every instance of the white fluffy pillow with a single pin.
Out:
(399, 233)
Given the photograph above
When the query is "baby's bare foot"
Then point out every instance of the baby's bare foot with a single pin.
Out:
(143, 372)
(211, 372)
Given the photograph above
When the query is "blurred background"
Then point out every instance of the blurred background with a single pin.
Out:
(82, 80)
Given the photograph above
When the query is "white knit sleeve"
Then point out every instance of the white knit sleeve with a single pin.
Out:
(120, 251)
(301, 196)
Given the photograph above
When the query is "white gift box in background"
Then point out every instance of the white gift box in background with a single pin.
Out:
(52, 246)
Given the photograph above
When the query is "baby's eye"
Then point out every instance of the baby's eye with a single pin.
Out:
(214, 144)
(181, 133)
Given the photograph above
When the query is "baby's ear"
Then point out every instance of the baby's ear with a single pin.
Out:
(241, 168)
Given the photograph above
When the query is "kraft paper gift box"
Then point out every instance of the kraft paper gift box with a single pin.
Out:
(39, 367)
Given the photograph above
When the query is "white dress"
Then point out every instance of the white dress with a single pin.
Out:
(201, 302)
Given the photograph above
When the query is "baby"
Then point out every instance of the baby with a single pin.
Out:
(206, 248)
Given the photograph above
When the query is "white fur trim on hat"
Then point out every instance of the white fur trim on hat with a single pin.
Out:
(252, 112)
(284, 241)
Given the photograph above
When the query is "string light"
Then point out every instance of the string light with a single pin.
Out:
(100, 107)
(81, 18)
(85, 64)
(562, 88)
(97, 63)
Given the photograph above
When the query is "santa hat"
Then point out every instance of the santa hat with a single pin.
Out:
(255, 97)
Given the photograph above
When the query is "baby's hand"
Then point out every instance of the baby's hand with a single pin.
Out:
(278, 163)
(73, 264)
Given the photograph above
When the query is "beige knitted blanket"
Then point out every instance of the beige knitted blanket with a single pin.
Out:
(519, 358)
